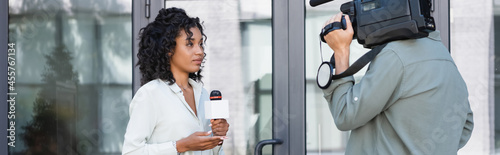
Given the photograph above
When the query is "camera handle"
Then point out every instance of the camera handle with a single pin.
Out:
(332, 27)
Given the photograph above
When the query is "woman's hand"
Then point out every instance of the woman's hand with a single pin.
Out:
(219, 127)
(198, 141)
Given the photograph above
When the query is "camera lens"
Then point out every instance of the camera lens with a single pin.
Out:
(347, 8)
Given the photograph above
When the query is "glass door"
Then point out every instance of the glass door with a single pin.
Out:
(323, 137)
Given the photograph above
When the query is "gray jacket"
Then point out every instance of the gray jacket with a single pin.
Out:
(412, 100)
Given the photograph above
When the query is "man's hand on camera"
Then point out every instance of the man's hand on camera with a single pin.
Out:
(340, 41)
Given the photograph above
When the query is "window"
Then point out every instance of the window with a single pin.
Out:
(74, 75)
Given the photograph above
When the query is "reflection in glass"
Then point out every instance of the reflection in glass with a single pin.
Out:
(74, 75)
(54, 108)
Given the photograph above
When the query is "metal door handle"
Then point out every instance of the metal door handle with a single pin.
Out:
(261, 144)
(147, 9)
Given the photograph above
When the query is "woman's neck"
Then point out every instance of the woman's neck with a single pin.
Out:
(182, 80)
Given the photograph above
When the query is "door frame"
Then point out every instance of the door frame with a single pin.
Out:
(441, 13)
(289, 110)
(139, 20)
(4, 40)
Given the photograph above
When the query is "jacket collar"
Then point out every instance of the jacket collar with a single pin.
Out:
(197, 94)
(176, 89)
(435, 35)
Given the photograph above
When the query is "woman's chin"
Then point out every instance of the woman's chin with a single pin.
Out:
(195, 70)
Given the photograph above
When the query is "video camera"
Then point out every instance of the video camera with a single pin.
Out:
(376, 22)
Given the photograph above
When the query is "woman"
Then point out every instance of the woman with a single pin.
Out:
(167, 112)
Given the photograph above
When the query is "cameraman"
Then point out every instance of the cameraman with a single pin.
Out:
(412, 99)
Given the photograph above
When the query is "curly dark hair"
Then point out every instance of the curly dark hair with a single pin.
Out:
(157, 40)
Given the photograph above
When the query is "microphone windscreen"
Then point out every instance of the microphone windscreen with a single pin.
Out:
(215, 95)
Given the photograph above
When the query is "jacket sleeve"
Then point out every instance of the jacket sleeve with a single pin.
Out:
(218, 150)
(467, 130)
(353, 105)
(140, 128)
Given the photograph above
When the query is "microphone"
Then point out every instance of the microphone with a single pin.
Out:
(314, 3)
(216, 108)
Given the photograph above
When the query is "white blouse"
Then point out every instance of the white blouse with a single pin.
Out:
(160, 115)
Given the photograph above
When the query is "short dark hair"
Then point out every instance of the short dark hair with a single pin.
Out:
(157, 44)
